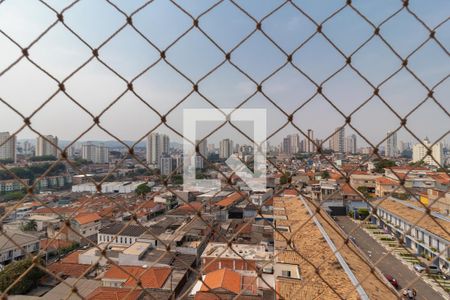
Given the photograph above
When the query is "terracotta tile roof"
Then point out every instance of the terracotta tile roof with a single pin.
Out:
(87, 218)
(230, 200)
(109, 293)
(222, 279)
(348, 190)
(437, 226)
(442, 178)
(68, 269)
(53, 210)
(72, 258)
(191, 207)
(290, 192)
(386, 181)
(154, 277)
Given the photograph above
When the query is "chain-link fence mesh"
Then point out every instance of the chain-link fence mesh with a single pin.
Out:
(328, 261)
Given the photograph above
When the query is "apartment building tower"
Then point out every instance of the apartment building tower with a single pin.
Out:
(437, 152)
(7, 147)
(47, 146)
(337, 142)
(391, 149)
(98, 154)
(225, 148)
(157, 145)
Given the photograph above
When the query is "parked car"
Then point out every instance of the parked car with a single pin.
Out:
(392, 280)
(431, 269)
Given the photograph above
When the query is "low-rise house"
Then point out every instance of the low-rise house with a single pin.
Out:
(120, 234)
(424, 235)
(228, 284)
(83, 226)
(12, 185)
(386, 187)
(251, 257)
(10, 252)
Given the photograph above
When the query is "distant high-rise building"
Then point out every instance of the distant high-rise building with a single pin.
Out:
(166, 165)
(8, 147)
(286, 145)
(203, 150)
(309, 142)
(350, 144)
(47, 146)
(27, 148)
(98, 154)
(391, 149)
(337, 140)
(226, 148)
(157, 145)
(295, 143)
(437, 152)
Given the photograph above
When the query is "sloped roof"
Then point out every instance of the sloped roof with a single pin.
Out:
(222, 279)
(230, 200)
(109, 293)
(154, 277)
(87, 218)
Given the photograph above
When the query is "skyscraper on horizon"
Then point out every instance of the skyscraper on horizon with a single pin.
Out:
(391, 149)
(44, 147)
(157, 145)
(337, 142)
(350, 144)
(437, 152)
(225, 148)
(310, 145)
(98, 154)
(8, 149)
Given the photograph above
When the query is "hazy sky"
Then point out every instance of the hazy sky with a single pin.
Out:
(59, 52)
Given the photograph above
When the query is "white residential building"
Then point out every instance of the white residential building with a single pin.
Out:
(157, 145)
(226, 148)
(420, 152)
(7, 147)
(98, 154)
(337, 141)
(47, 146)
(9, 252)
(391, 149)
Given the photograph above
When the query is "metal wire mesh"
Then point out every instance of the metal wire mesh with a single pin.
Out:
(312, 209)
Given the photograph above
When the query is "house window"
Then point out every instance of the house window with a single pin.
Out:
(121, 240)
(286, 273)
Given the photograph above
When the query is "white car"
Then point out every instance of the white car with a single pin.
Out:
(431, 269)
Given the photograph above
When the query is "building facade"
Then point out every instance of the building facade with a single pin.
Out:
(420, 152)
(98, 154)
(7, 147)
(225, 148)
(157, 145)
(47, 146)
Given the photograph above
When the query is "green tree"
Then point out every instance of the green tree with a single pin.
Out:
(142, 190)
(325, 175)
(43, 158)
(384, 163)
(13, 271)
(31, 225)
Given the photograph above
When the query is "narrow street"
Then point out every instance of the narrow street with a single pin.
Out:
(390, 264)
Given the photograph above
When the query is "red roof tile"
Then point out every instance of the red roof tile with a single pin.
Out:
(230, 200)
(109, 293)
(222, 279)
(87, 218)
(154, 277)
